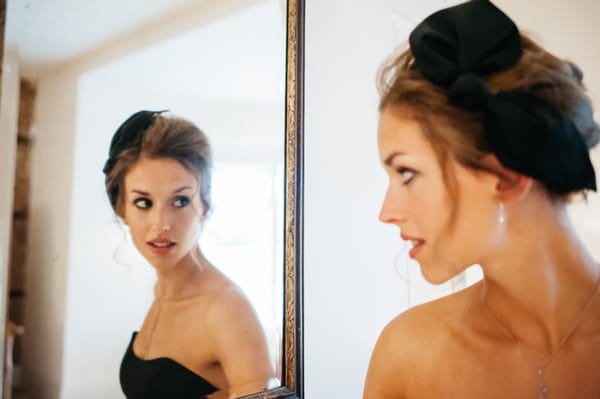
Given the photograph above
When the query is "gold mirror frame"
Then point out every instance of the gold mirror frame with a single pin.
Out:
(292, 384)
(293, 365)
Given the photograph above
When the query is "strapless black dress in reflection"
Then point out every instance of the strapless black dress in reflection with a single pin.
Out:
(160, 378)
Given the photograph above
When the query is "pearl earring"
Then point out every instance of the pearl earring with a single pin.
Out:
(501, 214)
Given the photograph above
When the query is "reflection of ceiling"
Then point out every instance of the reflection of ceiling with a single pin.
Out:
(238, 58)
(230, 50)
(50, 33)
(57, 30)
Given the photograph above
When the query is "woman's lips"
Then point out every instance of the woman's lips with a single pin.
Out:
(416, 243)
(161, 246)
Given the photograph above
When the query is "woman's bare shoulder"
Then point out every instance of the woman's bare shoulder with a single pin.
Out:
(216, 302)
(229, 307)
(414, 340)
(429, 318)
(238, 341)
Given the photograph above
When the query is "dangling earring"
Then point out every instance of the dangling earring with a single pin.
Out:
(501, 214)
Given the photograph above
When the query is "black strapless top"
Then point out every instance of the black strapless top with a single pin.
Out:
(160, 378)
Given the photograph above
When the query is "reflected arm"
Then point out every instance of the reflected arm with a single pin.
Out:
(240, 344)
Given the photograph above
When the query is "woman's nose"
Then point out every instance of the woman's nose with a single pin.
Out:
(390, 209)
(161, 220)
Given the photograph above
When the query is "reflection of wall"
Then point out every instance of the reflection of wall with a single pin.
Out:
(351, 289)
(75, 237)
(50, 205)
(100, 289)
(18, 252)
(242, 237)
(9, 100)
(89, 289)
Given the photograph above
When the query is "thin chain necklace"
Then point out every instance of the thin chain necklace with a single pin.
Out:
(151, 332)
(543, 388)
(153, 329)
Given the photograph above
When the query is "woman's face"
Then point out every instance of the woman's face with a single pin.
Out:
(447, 233)
(163, 210)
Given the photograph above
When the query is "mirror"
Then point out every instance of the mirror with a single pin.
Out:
(234, 68)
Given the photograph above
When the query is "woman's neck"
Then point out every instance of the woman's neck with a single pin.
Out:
(175, 283)
(541, 279)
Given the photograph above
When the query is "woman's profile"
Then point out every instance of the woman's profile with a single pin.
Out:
(485, 138)
(201, 337)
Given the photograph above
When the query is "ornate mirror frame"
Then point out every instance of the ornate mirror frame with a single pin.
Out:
(292, 384)
(293, 366)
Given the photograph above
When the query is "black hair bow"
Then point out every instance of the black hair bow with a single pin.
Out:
(128, 134)
(453, 48)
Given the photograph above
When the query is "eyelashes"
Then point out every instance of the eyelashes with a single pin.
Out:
(180, 201)
(406, 174)
(142, 203)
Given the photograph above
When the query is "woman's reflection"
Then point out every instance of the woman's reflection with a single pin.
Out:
(201, 335)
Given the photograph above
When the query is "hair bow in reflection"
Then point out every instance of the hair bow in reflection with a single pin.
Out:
(129, 133)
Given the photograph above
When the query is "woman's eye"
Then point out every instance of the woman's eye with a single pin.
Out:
(180, 202)
(142, 203)
(407, 175)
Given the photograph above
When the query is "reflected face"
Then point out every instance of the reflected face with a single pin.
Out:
(163, 210)
(447, 232)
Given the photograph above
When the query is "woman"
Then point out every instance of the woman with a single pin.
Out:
(485, 137)
(201, 335)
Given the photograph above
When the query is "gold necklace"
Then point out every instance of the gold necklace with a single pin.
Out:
(543, 388)
(151, 333)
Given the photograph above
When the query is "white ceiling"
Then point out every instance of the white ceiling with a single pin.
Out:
(51, 33)
(233, 49)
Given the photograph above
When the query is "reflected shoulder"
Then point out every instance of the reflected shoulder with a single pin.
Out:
(230, 307)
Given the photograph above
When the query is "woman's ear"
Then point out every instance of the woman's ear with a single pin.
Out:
(511, 186)
(205, 201)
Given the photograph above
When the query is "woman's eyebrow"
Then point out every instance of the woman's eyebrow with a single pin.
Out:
(181, 189)
(140, 192)
(390, 158)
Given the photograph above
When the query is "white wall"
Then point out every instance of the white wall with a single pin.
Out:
(351, 287)
(570, 30)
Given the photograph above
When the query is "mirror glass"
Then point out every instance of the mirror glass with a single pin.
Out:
(220, 65)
